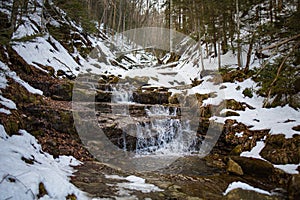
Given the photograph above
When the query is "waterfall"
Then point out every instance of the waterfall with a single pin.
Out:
(122, 93)
(167, 135)
(161, 131)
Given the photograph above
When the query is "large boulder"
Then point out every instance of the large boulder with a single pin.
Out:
(255, 167)
(280, 150)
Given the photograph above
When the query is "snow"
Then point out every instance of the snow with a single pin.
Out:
(7, 103)
(5, 111)
(20, 180)
(40, 51)
(289, 168)
(259, 118)
(28, 87)
(239, 134)
(133, 183)
(254, 153)
(3, 81)
(244, 186)
(274, 119)
(16, 78)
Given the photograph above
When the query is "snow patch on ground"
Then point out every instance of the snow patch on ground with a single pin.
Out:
(132, 183)
(254, 153)
(289, 168)
(24, 166)
(15, 77)
(40, 51)
(244, 186)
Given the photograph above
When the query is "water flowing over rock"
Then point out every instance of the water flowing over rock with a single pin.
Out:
(142, 124)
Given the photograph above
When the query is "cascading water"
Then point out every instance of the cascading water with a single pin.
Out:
(165, 133)
(161, 131)
(122, 93)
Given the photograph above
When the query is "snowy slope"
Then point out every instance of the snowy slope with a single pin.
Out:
(24, 166)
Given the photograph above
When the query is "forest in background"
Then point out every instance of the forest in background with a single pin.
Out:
(267, 29)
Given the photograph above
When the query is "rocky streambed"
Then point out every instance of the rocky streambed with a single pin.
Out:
(122, 115)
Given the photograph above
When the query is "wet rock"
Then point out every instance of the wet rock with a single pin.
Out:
(151, 97)
(103, 96)
(237, 194)
(234, 168)
(294, 187)
(173, 99)
(280, 150)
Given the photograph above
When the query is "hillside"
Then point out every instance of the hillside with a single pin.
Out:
(87, 112)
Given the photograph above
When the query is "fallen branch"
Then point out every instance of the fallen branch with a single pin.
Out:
(277, 75)
(278, 44)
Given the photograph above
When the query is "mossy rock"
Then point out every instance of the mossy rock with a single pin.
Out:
(71, 197)
(248, 92)
(62, 91)
(237, 150)
(11, 127)
(234, 168)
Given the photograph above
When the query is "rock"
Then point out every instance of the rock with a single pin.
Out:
(234, 168)
(42, 190)
(173, 99)
(255, 167)
(294, 187)
(234, 75)
(103, 96)
(137, 80)
(231, 113)
(237, 150)
(249, 194)
(196, 82)
(296, 128)
(113, 79)
(280, 150)
(151, 97)
(62, 91)
(234, 105)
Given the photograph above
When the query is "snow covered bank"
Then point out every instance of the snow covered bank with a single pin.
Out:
(24, 167)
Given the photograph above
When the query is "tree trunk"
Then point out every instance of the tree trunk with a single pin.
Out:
(246, 69)
(239, 48)
(219, 55)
